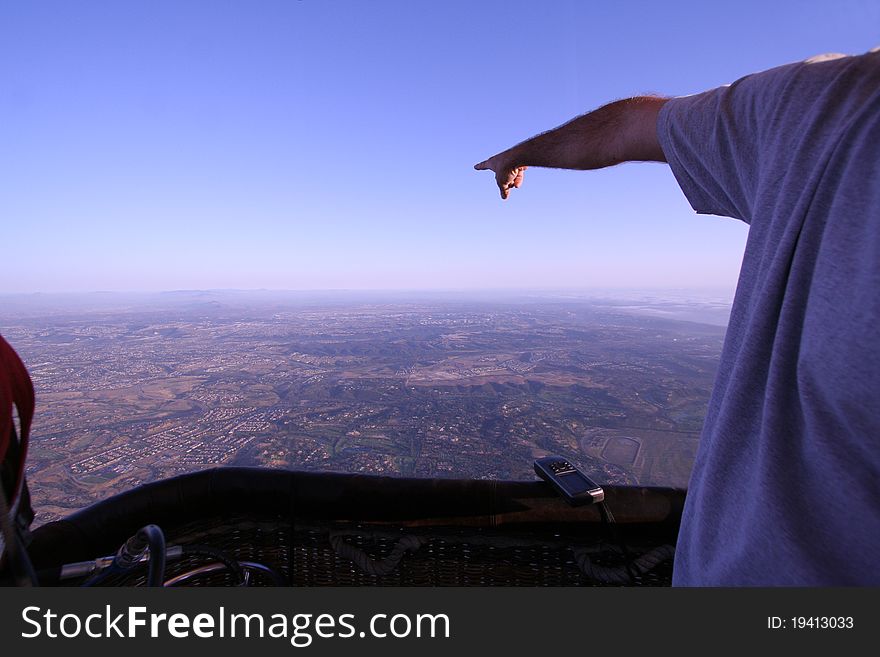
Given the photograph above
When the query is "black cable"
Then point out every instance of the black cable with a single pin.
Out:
(132, 552)
(131, 556)
(100, 576)
(208, 551)
(20, 567)
(247, 567)
(156, 543)
(611, 526)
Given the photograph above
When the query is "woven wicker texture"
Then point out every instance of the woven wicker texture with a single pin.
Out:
(305, 556)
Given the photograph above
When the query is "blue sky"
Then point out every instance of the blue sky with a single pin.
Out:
(329, 144)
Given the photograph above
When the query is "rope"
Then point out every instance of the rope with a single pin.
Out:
(379, 567)
(622, 574)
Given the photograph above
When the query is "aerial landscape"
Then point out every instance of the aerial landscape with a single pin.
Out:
(135, 391)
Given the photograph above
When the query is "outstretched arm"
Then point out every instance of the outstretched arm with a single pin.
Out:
(623, 131)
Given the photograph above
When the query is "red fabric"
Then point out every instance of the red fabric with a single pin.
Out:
(15, 388)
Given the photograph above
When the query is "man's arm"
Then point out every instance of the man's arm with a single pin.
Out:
(623, 131)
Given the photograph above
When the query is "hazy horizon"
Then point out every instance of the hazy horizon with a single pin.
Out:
(427, 290)
(705, 305)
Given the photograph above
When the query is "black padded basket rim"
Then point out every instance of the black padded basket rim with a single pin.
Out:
(474, 532)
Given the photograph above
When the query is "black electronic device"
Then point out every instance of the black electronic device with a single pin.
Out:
(576, 487)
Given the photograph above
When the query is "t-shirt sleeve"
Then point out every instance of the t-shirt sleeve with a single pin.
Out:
(713, 141)
(728, 144)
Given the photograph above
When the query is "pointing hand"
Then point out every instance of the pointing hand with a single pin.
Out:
(506, 176)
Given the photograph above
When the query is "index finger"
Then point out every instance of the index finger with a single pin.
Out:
(503, 188)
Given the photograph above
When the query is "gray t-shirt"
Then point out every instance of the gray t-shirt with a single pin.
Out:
(786, 484)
